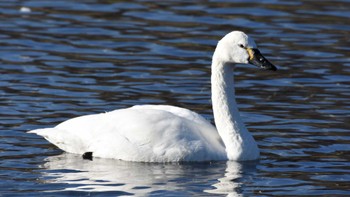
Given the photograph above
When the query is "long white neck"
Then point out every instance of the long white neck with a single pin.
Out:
(240, 144)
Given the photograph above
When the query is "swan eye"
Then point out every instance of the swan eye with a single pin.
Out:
(241, 45)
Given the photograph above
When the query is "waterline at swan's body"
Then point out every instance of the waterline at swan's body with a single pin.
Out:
(161, 133)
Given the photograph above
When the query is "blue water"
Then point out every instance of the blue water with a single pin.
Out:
(67, 58)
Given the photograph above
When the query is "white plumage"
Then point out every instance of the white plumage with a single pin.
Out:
(161, 133)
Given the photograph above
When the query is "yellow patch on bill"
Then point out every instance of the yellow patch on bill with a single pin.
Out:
(251, 53)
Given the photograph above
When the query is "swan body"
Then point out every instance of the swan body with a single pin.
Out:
(148, 133)
(162, 133)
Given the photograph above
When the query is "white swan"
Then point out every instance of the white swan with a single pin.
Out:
(161, 133)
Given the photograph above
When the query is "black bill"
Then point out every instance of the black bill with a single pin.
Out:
(259, 60)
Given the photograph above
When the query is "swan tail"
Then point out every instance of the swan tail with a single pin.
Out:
(42, 132)
(62, 139)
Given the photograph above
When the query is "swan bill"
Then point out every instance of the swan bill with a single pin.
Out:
(257, 59)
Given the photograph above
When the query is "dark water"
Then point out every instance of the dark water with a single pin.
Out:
(68, 58)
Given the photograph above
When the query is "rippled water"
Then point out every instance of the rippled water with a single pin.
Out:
(68, 58)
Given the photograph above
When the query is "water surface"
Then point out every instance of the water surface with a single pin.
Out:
(66, 58)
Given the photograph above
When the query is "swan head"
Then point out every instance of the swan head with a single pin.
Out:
(238, 47)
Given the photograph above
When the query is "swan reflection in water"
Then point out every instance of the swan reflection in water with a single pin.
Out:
(121, 177)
